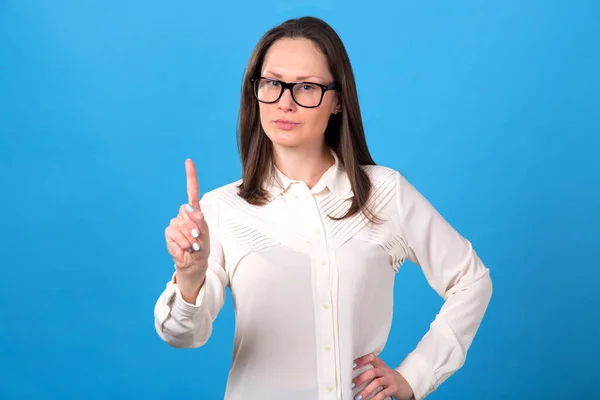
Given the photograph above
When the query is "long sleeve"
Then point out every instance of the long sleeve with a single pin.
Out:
(454, 270)
(185, 325)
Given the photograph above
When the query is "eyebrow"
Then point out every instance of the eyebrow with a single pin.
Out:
(301, 78)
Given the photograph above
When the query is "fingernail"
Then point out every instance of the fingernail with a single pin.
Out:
(196, 246)
(358, 397)
(195, 233)
(354, 365)
(189, 208)
(353, 384)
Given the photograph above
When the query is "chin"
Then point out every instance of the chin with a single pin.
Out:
(284, 138)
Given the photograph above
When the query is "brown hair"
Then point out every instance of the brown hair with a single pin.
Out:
(344, 133)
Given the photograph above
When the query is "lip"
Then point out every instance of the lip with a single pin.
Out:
(285, 124)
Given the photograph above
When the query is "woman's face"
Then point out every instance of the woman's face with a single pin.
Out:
(285, 122)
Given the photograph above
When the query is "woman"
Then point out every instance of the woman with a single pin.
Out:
(309, 242)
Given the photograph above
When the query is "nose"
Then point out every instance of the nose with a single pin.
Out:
(286, 102)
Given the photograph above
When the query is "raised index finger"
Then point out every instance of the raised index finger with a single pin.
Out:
(193, 190)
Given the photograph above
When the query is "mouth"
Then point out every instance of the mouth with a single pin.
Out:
(286, 124)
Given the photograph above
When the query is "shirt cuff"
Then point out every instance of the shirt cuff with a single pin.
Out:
(418, 374)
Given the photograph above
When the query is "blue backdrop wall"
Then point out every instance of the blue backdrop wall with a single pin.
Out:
(490, 108)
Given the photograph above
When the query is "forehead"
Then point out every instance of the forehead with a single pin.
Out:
(293, 58)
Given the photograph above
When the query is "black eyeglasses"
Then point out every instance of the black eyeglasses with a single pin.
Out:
(305, 94)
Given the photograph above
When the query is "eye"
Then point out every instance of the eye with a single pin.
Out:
(307, 87)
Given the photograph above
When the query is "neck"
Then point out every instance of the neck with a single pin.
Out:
(306, 165)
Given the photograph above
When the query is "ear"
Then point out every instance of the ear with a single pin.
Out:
(337, 106)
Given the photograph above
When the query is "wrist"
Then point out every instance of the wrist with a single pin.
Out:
(405, 391)
(190, 283)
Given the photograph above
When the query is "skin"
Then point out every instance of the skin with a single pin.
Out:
(301, 154)
(187, 229)
(393, 382)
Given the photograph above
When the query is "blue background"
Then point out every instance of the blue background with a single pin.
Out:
(490, 108)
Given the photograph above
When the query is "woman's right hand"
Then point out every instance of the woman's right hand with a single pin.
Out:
(187, 235)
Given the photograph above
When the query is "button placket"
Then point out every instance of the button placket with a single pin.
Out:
(323, 294)
(313, 223)
(325, 318)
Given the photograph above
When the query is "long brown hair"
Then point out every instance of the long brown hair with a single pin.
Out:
(344, 133)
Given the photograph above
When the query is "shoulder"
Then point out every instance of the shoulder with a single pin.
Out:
(220, 193)
(384, 178)
(389, 185)
(212, 200)
(381, 174)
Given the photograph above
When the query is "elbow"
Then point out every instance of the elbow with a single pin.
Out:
(182, 339)
(483, 288)
(184, 343)
(487, 287)
(477, 285)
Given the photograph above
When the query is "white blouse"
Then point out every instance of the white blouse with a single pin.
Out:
(312, 294)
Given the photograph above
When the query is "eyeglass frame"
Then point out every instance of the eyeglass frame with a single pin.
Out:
(290, 86)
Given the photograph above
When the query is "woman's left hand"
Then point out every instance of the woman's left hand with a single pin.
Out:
(380, 375)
